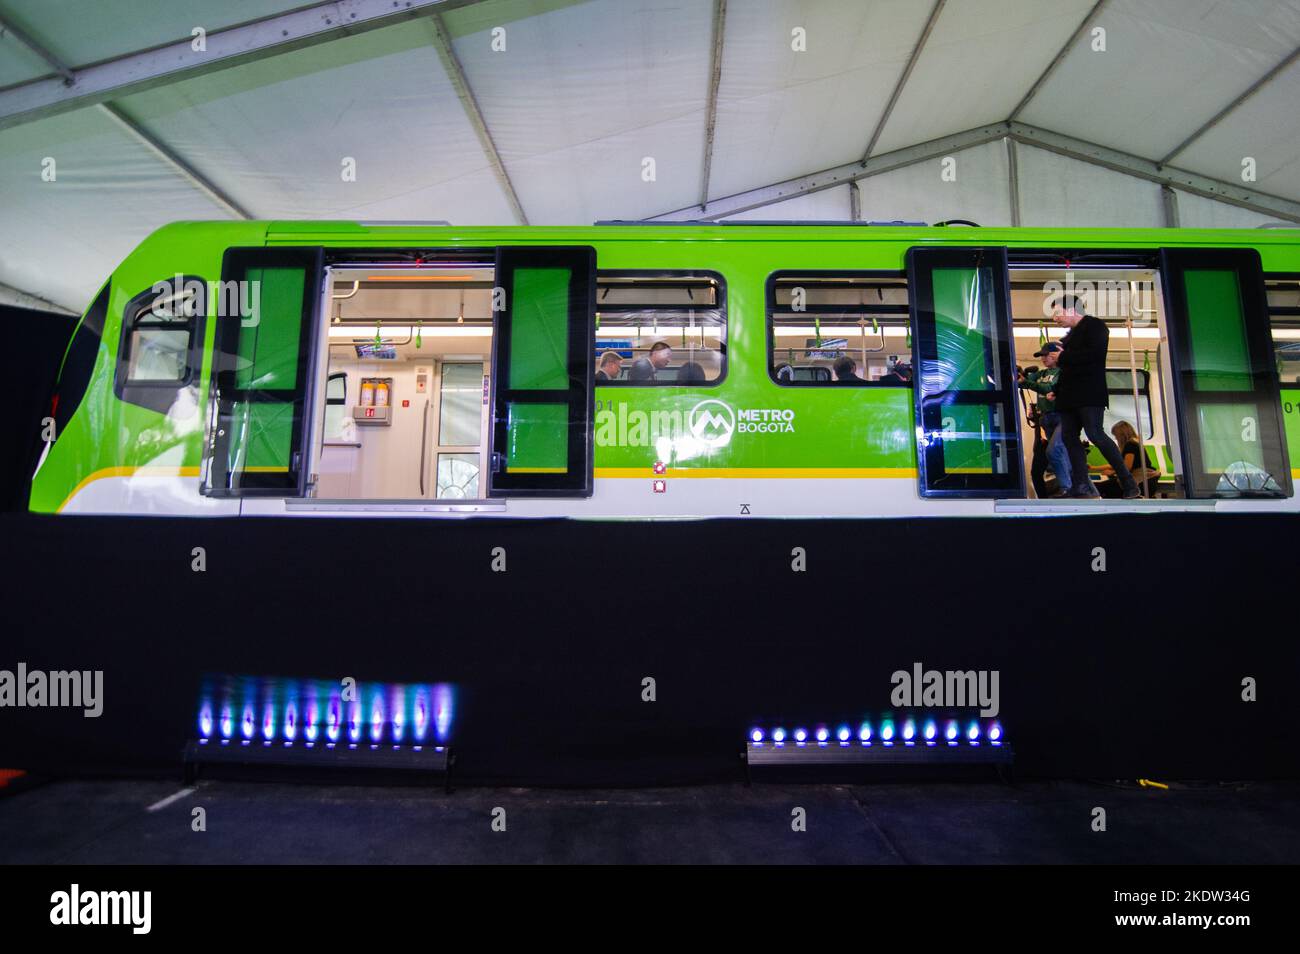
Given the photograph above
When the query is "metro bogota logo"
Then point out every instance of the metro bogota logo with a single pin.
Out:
(711, 422)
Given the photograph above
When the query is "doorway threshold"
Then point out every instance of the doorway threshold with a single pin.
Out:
(397, 506)
(1095, 505)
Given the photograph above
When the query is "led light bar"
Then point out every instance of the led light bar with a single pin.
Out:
(909, 739)
(310, 722)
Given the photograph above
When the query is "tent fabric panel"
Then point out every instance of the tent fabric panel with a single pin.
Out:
(64, 237)
(977, 64)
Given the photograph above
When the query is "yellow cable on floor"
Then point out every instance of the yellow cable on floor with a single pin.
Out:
(1148, 783)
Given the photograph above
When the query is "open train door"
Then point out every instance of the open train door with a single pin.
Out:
(543, 339)
(261, 366)
(964, 374)
(1230, 427)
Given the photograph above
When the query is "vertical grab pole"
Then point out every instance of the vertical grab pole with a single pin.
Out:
(1141, 462)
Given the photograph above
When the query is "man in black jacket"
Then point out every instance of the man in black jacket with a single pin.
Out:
(1082, 397)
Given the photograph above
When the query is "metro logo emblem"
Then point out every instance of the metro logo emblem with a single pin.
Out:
(712, 422)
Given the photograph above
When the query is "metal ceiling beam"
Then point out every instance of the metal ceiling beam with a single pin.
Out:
(711, 110)
(456, 73)
(52, 61)
(1116, 161)
(1013, 182)
(1211, 188)
(171, 158)
(1056, 60)
(234, 46)
(1169, 199)
(155, 145)
(1221, 114)
(902, 80)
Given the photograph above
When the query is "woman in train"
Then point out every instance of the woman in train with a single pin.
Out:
(1126, 438)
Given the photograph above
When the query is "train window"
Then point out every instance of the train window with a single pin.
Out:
(1231, 426)
(79, 361)
(1284, 317)
(1119, 389)
(161, 334)
(660, 328)
(839, 328)
(336, 400)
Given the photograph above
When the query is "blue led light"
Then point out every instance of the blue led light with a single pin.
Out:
(930, 730)
(801, 735)
(333, 717)
(909, 730)
(823, 733)
(844, 733)
(887, 731)
(354, 721)
(399, 713)
(950, 730)
(273, 710)
(443, 704)
(421, 714)
(973, 732)
(778, 735)
(995, 732)
(312, 728)
(376, 717)
(756, 735)
(864, 732)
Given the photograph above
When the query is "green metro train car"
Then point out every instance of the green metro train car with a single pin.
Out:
(660, 371)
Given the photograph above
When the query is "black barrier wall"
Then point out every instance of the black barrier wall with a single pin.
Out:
(1134, 671)
(36, 343)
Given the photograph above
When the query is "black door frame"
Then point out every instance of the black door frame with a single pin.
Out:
(577, 481)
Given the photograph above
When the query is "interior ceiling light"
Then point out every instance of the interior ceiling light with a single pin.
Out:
(421, 278)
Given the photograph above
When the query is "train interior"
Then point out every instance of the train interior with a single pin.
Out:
(818, 320)
(407, 383)
(1137, 364)
(1284, 308)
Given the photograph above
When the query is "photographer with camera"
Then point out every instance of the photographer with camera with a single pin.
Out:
(1050, 449)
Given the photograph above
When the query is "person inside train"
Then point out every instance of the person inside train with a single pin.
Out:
(1050, 449)
(784, 372)
(646, 368)
(1082, 397)
(846, 370)
(609, 367)
(900, 373)
(1126, 437)
(692, 372)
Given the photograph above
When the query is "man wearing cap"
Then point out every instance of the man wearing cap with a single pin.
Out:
(1051, 449)
(1082, 397)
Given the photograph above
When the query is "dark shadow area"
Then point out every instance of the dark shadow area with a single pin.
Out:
(148, 822)
(1132, 672)
(37, 340)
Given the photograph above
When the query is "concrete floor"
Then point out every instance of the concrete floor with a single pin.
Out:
(108, 822)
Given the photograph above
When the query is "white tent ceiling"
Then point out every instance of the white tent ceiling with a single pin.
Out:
(555, 128)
